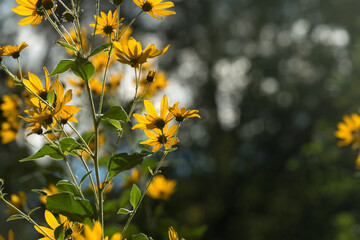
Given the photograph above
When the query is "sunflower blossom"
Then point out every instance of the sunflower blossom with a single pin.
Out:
(161, 188)
(94, 234)
(131, 52)
(181, 114)
(15, 50)
(75, 228)
(159, 138)
(155, 7)
(153, 120)
(173, 234)
(33, 9)
(106, 24)
(349, 131)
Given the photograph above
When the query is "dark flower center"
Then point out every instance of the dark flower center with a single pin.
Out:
(179, 118)
(146, 7)
(16, 54)
(162, 139)
(49, 120)
(43, 95)
(39, 131)
(108, 29)
(160, 124)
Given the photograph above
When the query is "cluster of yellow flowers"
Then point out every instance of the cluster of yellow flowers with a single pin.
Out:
(49, 109)
(10, 124)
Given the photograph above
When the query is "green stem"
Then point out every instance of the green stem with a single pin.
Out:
(128, 26)
(96, 23)
(55, 26)
(19, 66)
(104, 81)
(27, 217)
(73, 178)
(162, 160)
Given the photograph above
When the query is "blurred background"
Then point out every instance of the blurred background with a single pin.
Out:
(271, 80)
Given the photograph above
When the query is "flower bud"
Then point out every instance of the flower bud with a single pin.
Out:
(68, 16)
(150, 76)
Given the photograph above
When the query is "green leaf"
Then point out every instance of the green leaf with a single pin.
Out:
(65, 45)
(83, 68)
(88, 136)
(51, 97)
(124, 211)
(33, 210)
(40, 191)
(135, 195)
(100, 49)
(69, 145)
(62, 67)
(112, 123)
(84, 177)
(139, 236)
(66, 186)
(59, 233)
(74, 208)
(170, 149)
(116, 113)
(46, 150)
(123, 161)
(15, 217)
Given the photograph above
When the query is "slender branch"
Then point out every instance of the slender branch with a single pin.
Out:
(128, 26)
(104, 81)
(27, 217)
(162, 160)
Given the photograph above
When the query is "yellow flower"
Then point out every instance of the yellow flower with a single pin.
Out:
(18, 200)
(100, 60)
(114, 82)
(53, 223)
(159, 138)
(173, 234)
(79, 84)
(107, 24)
(10, 105)
(349, 131)
(131, 52)
(49, 191)
(15, 50)
(133, 178)
(33, 9)
(8, 131)
(34, 84)
(161, 188)
(90, 234)
(10, 235)
(181, 114)
(155, 7)
(153, 120)
(96, 86)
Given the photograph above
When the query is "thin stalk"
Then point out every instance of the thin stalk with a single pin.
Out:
(118, 22)
(91, 178)
(96, 158)
(63, 28)
(162, 160)
(128, 26)
(19, 66)
(96, 23)
(56, 27)
(104, 81)
(27, 217)
(73, 177)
